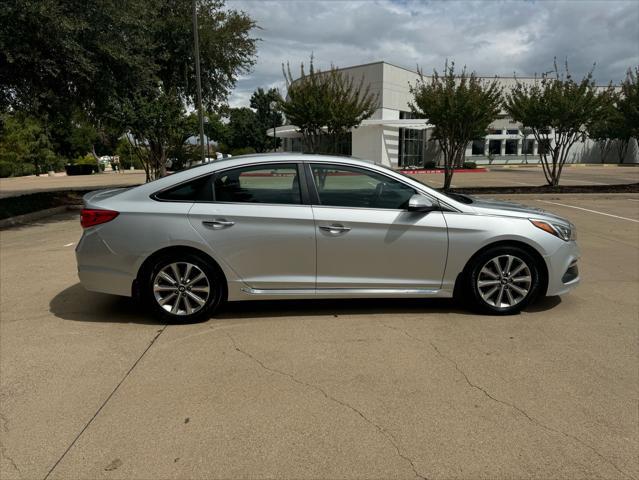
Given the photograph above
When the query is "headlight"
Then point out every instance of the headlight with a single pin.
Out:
(565, 232)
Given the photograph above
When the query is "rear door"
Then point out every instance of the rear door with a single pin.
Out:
(366, 238)
(258, 223)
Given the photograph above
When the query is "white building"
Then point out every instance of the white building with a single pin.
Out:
(394, 138)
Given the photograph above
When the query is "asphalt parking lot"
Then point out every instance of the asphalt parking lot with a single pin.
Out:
(91, 387)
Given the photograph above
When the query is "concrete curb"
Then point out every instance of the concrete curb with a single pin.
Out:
(33, 216)
(571, 165)
(20, 193)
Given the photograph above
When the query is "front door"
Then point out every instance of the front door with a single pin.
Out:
(367, 239)
(258, 224)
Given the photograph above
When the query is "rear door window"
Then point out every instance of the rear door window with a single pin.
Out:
(272, 183)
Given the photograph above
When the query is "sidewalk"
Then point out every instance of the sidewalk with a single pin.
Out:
(15, 186)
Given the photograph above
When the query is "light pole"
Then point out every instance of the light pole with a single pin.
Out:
(273, 106)
(208, 145)
(198, 79)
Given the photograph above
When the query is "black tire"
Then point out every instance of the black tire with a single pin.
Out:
(213, 278)
(478, 296)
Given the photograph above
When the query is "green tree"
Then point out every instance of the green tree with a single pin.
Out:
(57, 56)
(215, 129)
(325, 103)
(627, 126)
(226, 50)
(604, 129)
(153, 125)
(560, 111)
(24, 146)
(244, 130)
(461, 106)
(350, 104)
(108, 59)
(268, 114)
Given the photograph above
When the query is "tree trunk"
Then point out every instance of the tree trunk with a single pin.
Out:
(448, 176)
(623, 149)
(95, 155)
(449, 168)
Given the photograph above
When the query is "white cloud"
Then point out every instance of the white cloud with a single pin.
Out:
(492, 38)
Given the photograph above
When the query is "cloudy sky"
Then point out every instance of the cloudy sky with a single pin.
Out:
(490, 37)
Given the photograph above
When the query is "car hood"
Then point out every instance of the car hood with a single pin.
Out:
(488, 206)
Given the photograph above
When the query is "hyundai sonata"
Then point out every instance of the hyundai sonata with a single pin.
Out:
(293, 226)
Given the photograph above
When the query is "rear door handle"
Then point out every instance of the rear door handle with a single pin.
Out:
(335, 228)
(217, 224)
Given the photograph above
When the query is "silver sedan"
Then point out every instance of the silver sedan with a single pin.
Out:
(293, 226)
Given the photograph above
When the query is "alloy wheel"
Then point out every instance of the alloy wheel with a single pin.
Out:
(504, 281)
(181, 288)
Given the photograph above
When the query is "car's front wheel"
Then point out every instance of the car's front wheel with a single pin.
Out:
(504, 280)
(183, 288)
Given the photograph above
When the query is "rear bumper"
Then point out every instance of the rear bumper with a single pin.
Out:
(104, 280)
(100, 269)
(563, 270)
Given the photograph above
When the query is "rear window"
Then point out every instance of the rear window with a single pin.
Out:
(195, 190)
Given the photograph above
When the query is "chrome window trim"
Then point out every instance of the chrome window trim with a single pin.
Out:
(296, 163)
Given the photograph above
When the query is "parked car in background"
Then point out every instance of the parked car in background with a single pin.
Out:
(286, 226)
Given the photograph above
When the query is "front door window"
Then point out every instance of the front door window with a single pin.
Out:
(342, 186)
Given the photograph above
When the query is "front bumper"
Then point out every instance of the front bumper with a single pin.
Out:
(563, 271)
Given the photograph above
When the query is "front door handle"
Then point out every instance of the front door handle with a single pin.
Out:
(335, 228)
(217, 224)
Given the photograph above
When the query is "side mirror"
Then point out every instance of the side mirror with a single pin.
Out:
(420, 203)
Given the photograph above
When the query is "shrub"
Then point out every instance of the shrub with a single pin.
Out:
(86, 160)
(430, 164)
(470, 165)
(6, 169)
(242, 151)
(81, 169)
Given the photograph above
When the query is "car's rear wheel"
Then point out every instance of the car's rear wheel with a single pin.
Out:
(183, 288)
(504, 280)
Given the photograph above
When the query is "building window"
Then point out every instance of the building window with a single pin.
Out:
(494, 147)
(479, 147)
(527, 146)
(513, 132)
(411, 144)
(495, 131)
(544, 146)
(511, 147)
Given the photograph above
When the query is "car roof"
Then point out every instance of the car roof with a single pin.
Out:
(287, 157)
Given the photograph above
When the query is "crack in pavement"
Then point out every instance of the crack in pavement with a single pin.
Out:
(3, 449)
(157, 335)
(3, 453)
(511, 405)
(386, 434)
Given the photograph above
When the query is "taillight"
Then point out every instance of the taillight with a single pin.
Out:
(90, 217)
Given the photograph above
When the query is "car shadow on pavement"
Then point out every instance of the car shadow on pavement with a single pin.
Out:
(368, 306)
(76, 303)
